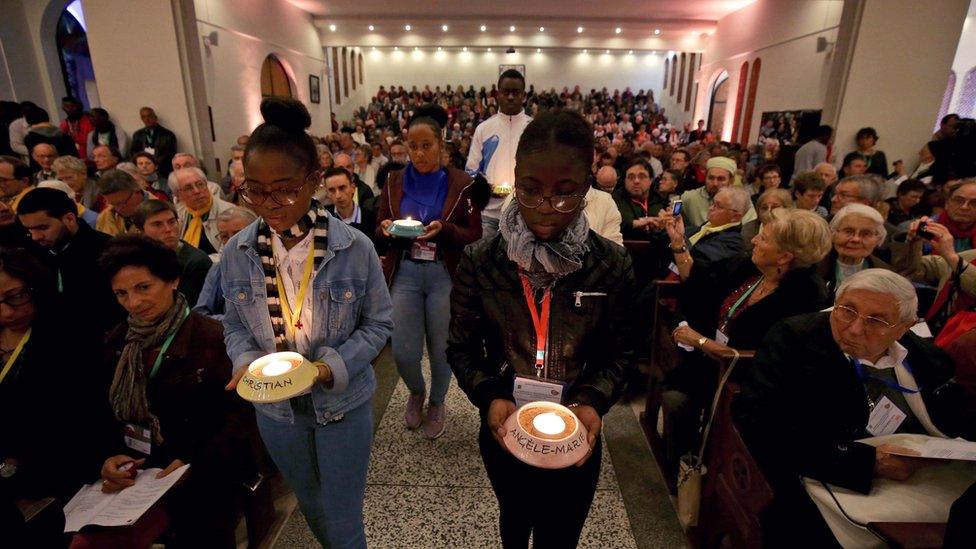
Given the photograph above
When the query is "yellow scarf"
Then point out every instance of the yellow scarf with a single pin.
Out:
(707, 229)
(194, 230)
(16, 200)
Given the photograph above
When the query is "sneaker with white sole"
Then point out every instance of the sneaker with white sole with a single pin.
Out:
(414, 415)
(434, 423)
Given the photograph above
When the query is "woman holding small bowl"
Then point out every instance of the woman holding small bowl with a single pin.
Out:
(428, 216)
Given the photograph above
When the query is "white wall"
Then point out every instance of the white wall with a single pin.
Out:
(783, 33)
(965, 59)
(247, 32)
(551, 68)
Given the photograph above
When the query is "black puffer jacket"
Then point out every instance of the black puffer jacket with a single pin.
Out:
(590, 336)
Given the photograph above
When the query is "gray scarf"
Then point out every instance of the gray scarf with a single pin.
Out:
(128, 392)
(544, 261)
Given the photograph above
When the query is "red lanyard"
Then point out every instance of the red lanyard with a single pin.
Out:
(643, 204)
(541, 324)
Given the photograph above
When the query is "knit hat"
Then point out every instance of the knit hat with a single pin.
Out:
(722, 162)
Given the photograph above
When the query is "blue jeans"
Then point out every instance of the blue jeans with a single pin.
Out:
(489, 227)
(421, 296)
(326, 467)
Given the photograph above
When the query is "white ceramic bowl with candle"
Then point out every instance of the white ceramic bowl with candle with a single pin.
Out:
(546, 435)
(277, 377)
(406, 228)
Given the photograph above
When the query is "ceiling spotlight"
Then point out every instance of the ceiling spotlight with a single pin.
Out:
(465, 48)
(511, 29)
(332, 28)
(586, 51)
(483, 28)
(579, 29)
(489, 49)
(542, 29)
(630, 52)
(374, 48)
(415, 48)
(371, 27)
(617, 30)
(444, 28)
(657, 31)
(396, 48)
(607, 52)
(406, 27)
(538, 50)
(439, 48)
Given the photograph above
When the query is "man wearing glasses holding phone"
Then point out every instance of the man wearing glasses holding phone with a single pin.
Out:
(822, 382)
(123, 195)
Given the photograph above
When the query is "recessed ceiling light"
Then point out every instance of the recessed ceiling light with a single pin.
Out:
(374, 48)
(444, 28)
(657, 31)
(511, 29)
(415, 48)
(439, 48)
(617, 30)
(542, 29)
(465, 48)
(586, 51)
(630, 52)
(332, 28)
(483, 28)
(371, 27)
(406, 27)
(538, 50)
(489, 49)
(579, 29)
(396, 48)
(608, 51)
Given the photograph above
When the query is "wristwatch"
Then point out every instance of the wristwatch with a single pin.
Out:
(7, 470)
(680, 250)
(701, 342)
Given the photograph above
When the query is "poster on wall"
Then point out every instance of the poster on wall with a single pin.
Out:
(503, 68)
(314, 93)
(789, 127)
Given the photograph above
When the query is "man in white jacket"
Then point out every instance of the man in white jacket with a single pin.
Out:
(493, 147)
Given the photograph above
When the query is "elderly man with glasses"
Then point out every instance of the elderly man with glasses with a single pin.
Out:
(198, 210)
(824, 382)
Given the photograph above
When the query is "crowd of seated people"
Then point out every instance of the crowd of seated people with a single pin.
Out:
(114, 245)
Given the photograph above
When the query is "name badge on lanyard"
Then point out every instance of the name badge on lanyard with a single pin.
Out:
(138, 438)
(885, 417)
(528, 389)
(423, 251)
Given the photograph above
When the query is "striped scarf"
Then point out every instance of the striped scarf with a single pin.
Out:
(317, 220)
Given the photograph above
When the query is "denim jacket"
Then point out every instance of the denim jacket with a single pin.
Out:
(352, 317)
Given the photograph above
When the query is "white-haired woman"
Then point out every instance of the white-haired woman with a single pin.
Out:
(73, 171)
(857, 231)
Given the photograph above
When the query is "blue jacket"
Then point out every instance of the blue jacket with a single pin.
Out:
(352, 317)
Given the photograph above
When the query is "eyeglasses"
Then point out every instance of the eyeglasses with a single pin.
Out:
(194, 186)
(641, 176)
(561, 203)
(283, 197)
(874, 324)
(850, 232)
(117, 203)
(18, 299)
(961, 201)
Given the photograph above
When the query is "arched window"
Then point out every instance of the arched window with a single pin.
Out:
(751, 101)
(335, 76)
(274, 79)
(946, 99)
(674, 72)
(360, 68)
(681, 78)
(691, 71)
(740, 92)
(345, 74)
(667, 67)
(76, 64)
(352, 68)
(967, 99)
(717, 102)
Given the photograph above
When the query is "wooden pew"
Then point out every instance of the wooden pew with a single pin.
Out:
(734, 491)
(664, 356)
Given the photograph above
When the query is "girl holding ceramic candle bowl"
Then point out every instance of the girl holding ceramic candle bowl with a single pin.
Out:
(299, 279)
(546, 301)
(420, 270)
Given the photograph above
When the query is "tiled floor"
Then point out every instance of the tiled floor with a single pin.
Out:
(434, 494)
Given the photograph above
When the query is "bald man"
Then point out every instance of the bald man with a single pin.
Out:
(606, 179)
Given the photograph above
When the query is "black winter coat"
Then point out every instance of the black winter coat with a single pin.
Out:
(492, 337)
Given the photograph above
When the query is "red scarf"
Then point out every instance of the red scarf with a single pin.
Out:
(955, 230)
(962, 301)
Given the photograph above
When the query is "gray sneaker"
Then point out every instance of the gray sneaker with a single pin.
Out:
(414, 415)
(434, 422)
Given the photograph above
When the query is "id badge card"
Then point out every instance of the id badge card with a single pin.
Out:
(885, 418)
(721, 338)
(533, 389)
(423, 251)
(150, 150)
(138, 438)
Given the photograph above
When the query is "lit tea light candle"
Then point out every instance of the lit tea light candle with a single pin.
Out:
(276, 368)
(549, 423)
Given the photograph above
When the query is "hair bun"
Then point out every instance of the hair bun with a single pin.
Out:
(288, 114)
(432, 111)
